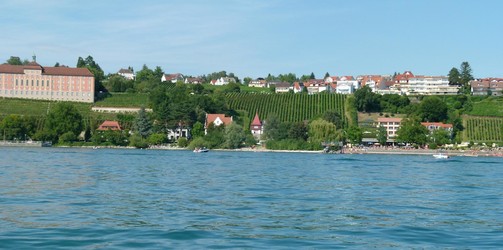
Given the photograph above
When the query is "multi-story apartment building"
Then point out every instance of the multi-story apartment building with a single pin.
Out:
(411, 84)
(390, 124)
(33, 81)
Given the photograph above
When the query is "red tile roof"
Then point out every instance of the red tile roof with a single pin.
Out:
(59, 71)
(436, 124)
(210, 118)
(109, 125)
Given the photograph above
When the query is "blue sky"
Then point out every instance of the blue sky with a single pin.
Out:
(257, 37)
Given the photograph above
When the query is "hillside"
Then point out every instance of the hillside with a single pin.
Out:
(491, 106)
(288, 107)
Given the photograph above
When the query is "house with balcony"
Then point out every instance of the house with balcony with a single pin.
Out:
(391, 125)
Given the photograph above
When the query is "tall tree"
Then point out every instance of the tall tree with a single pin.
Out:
(465, 77)
(433, 109)
(298, 131)
(64, 117)
(312, 76)
(382, 135)
(454, 76)
(327, 75)
(143, 126)
(355, 135)
(333, 117)
(95, 68)
(234, 136)
(366, 100)
(411, 131)
(197, 130)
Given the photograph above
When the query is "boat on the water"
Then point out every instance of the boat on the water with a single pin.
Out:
(201, 150)
(441, 156)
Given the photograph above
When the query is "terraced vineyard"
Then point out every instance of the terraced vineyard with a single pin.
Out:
(288, 107)
(483, 129)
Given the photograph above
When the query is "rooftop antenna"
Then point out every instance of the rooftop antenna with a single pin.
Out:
(34, 57)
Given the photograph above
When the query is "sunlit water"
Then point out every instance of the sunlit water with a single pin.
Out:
(114, 199)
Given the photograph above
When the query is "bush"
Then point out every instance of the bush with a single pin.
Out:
(138, 142)
(183, 142)
(67, 137)
(432, 145)
(157, 139)
(198, 142)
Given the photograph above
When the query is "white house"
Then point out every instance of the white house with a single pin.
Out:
(223, 81)
(172, 77)
(282, 87)
(126, 73)
(259, 83)
(347, 85)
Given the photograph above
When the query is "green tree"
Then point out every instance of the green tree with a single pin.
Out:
(355, 135)
(247, 80)
(333, 117)
(465, 77)
(312, 76)
(143, 125)
(14, 60)
(157, 139)
(322, 131)
(67, 137)
(95, 69)
(433, 109)
(411, 131)
(234, 136)
(64, 117)
(440, 136)
(197, 130)
(272, 128)
(366, 100)
(233, 87)
(382, 135)
(327, 75)
(298, 131)
(158, 72)
(454, 76)
(12, 127)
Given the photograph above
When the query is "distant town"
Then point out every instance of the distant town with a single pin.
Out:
(303, 113)
(63, 83)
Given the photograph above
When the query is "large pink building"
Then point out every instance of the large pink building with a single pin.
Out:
(33, 81)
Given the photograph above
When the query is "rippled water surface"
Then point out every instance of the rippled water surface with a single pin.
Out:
(114, 199)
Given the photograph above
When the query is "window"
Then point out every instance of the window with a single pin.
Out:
(16, 82)
(37, 83)
(32, 82)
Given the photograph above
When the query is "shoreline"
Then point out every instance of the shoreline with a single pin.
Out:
(350, 151)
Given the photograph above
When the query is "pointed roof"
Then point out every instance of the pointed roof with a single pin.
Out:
(256, 120)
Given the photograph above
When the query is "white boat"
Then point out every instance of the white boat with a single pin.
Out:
(201, 150)
(441, 156)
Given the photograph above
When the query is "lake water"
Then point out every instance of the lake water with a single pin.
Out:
(56, 198)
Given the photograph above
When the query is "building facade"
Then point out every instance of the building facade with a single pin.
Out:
(33, 81)
(390, 124)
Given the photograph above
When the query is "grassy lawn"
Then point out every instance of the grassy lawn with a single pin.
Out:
(491, 106)
(124, 100)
